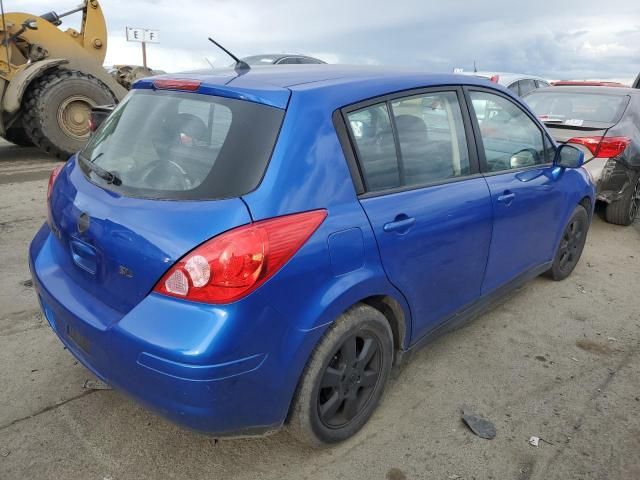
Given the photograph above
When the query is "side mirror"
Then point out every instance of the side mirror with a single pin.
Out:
(524, 158)
(98, 115)
(568, 156)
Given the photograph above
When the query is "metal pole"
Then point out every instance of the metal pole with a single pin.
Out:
(144, 54)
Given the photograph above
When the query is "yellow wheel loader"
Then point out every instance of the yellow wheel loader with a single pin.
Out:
(50, 78)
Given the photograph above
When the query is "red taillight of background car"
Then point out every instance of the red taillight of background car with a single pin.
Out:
(603, 147)
(495, 78)
(52, 179)
(234, 264)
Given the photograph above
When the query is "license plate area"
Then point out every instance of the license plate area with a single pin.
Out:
(80, 340)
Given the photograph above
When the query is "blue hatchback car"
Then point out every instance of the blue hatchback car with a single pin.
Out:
(241, 251)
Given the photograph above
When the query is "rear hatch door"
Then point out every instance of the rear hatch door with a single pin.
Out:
(163, 174)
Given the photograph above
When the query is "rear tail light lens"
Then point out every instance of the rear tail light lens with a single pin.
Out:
(603, 147)
(52, 179)
(234, 264)
(613, 146)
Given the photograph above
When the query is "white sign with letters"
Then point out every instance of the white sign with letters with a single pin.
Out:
(142, 35)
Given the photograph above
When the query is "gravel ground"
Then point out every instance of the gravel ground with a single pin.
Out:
(560, 361)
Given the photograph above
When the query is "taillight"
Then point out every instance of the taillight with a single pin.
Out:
(611, 147)
(52, 179)
(495, 78)
(603, 147)
(234, 264)
(176, 84)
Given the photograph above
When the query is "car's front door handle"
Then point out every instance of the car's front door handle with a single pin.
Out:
(507, 197)
(401, 224)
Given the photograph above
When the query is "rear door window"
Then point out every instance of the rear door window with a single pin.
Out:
(429, 147)
(431, 136)
(172, 145)
(373, 137)
(514, 87)
(527, 85)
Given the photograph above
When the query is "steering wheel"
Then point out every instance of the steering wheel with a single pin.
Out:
(167, 174)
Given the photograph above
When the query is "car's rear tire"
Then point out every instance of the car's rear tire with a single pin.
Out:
(344, 378)
(571, 244)
(625, 210)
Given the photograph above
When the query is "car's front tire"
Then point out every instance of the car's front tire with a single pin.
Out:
(571, 244)
(344, 378)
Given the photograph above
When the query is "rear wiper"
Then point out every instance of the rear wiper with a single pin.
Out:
(106, 175)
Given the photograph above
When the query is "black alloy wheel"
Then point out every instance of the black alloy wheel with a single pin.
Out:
(344, 378)
(571, 244)
(349, 380)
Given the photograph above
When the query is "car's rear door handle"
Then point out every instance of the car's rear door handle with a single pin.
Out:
(507, 197)
(401, 224)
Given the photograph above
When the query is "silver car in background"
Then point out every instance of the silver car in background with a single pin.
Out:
(518, 83)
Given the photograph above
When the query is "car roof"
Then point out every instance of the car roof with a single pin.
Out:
(272, 85)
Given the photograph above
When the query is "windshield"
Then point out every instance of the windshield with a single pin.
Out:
(575, 109)
(172, 145)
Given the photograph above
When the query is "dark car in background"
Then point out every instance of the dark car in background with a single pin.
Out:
(604, 122)
(281, 59)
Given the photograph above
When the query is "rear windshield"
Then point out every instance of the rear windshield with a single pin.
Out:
(575, 109)
(171, 145)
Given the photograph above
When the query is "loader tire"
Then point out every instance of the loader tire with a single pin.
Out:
(57, 108)
(17, 135)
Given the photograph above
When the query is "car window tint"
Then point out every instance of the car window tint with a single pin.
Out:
(514, 88)
(510, 138)
(371, 131)
(289, 61)
(432, 139)
(527, 86)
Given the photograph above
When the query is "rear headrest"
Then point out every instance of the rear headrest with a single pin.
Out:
(411, 128)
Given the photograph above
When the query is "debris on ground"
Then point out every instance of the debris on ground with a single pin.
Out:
(90, 384)
(535, 441)
(27, 283)
(478, 425)
(581, 289)
(5, 453)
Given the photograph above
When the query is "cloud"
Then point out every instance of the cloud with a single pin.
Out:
(574, 39)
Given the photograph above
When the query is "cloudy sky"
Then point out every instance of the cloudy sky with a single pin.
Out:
(571, 39)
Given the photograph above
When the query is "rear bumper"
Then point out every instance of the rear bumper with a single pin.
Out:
(190, 362)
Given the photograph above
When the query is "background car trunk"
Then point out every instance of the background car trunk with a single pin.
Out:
(562, 134)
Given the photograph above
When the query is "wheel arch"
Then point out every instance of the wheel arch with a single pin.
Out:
(12, 98)
(587, 204)
(395, 315)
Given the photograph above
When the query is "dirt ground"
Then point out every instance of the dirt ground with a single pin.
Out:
(560, 361)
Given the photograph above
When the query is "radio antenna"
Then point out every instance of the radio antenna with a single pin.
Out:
(241, 65)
